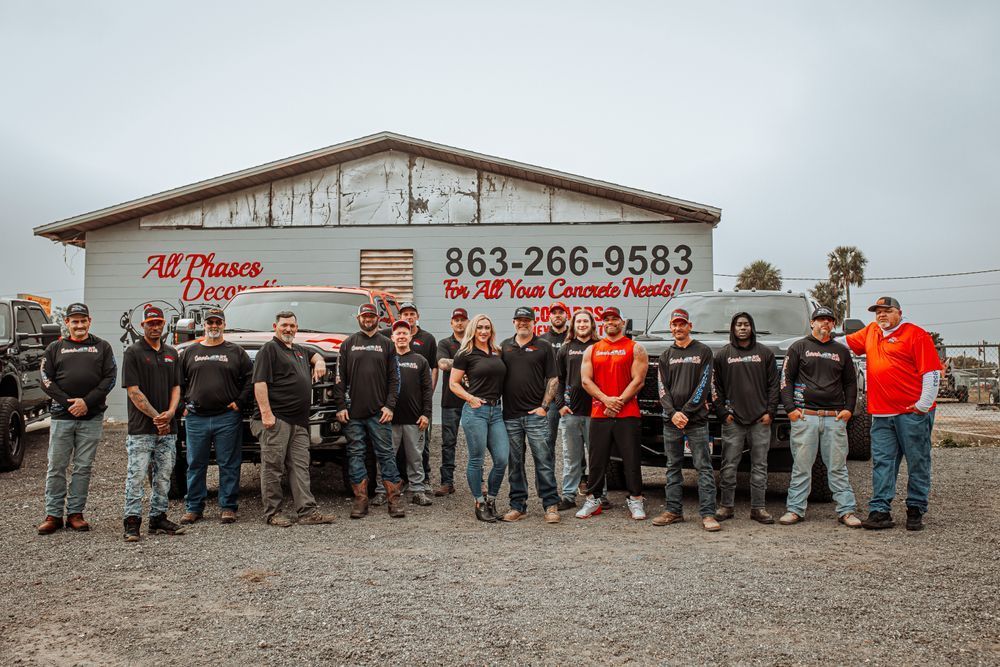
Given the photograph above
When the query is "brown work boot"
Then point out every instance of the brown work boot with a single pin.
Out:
(850, 520)
(50, 525)
(552, 514)
(724, 513)
(77, 522)
(761, 515)
(514, 515)
(393, 492)
(360, 507)
(444, 490)
(790, 519)
(316, 518)
(280, 521)
(667, 518)
(190, 517)
(710, 524)
(226, 516)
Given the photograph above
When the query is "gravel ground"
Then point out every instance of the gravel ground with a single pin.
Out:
(439, 587)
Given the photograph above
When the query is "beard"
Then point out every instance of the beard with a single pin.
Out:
(287, 338)
(213, 335)
(369, 327)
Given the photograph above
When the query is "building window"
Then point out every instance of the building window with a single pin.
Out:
(388, 270)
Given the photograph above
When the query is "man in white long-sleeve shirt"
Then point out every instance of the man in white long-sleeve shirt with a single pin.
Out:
(903, 375)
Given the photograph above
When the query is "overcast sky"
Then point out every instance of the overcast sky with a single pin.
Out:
(811, 125)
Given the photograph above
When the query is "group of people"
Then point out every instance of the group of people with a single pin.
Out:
(509, 397)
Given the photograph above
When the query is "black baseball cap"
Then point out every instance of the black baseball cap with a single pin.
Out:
(215, 314)
(884, 302)
(524, 313)
(822, 311)
(611, 311)
(408, 304)
(460, 314)
(151, 313)
(367, 309)
(77, 309)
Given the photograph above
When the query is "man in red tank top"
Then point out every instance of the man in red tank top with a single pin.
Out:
(613, 371)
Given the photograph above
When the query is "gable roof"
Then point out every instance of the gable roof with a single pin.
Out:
(73, 230)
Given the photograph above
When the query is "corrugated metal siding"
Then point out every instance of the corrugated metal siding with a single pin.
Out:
(388, 270)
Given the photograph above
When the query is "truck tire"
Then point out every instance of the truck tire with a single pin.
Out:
(820, 491)
(178, 478)
(859, 433)
(614, 478)
(11, 434)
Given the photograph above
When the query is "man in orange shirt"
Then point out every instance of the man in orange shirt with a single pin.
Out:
(903, 373)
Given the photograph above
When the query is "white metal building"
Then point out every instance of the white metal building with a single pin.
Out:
(441, 225)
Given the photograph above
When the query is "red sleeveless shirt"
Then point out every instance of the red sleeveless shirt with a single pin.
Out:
(612, 364)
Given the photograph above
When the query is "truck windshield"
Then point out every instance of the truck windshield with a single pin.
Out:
(5, 328)
(327, 312)
(778, 315)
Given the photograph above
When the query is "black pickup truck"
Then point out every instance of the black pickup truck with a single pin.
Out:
(25, 332)
(781, 319)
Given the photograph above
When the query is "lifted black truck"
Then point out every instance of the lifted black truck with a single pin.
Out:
(25, 332)
(781, 319)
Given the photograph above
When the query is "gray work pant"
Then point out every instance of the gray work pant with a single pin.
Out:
(412, 439)
(733, 438)
(284, 447)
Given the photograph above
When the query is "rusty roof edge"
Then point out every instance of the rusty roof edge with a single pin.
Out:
(58, 230)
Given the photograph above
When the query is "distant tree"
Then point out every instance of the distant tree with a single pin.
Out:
(58, 316)
(847, 267)
(936, 337)
(827, 294)
(759, 275)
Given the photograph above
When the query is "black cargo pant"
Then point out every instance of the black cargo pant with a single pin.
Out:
(605, 433)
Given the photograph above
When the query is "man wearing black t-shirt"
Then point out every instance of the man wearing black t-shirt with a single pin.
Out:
(151, 376)
(423, 343)
(819, 389)
(77, 373)
(556, 336)
(451, 405)
(367, 390)
(413, 409)
(529, 388)
(282, 385)
(685, 379)
(216, 385)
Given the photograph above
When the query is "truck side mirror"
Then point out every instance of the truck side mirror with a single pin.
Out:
(50, 333)
(628, 328)
(851, 326)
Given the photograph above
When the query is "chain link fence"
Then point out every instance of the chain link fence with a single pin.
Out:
(968, 410)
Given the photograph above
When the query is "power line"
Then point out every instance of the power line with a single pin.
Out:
(985, 319)
(929, 275)
(927, 289)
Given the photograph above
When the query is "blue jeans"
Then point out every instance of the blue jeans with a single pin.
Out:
(534, 429)
(576, 439)
(893, 438)
(160, 451)
(701, 456)
(358, 431)
(829, 437)
(226, 430)
(484, 430)
(450, 420)
(76, 441)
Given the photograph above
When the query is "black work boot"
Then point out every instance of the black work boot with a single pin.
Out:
(132, 525)
(914, 519)
(878, 521)
(483, 512)
(159, 524)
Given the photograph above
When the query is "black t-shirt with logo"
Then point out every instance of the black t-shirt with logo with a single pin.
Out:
(416, 393)
(156, 373)
(424, 344)
(78, 369)
(685, 379)
(484, 373)
(367, 375)
(569, 359)
(447, 348)
(529, 368)
(818, 376)
(556, 340)
(288, 375)
(213, 376)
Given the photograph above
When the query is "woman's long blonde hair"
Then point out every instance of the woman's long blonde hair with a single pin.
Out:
(470, 335)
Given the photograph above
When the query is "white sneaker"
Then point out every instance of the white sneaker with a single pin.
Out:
(590, 508)
(635, 508)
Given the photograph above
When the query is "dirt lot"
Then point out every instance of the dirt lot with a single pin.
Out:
(439, 587)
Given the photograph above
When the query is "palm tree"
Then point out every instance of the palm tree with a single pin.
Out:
(759, 275)
(847, 267)
(827, 294)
